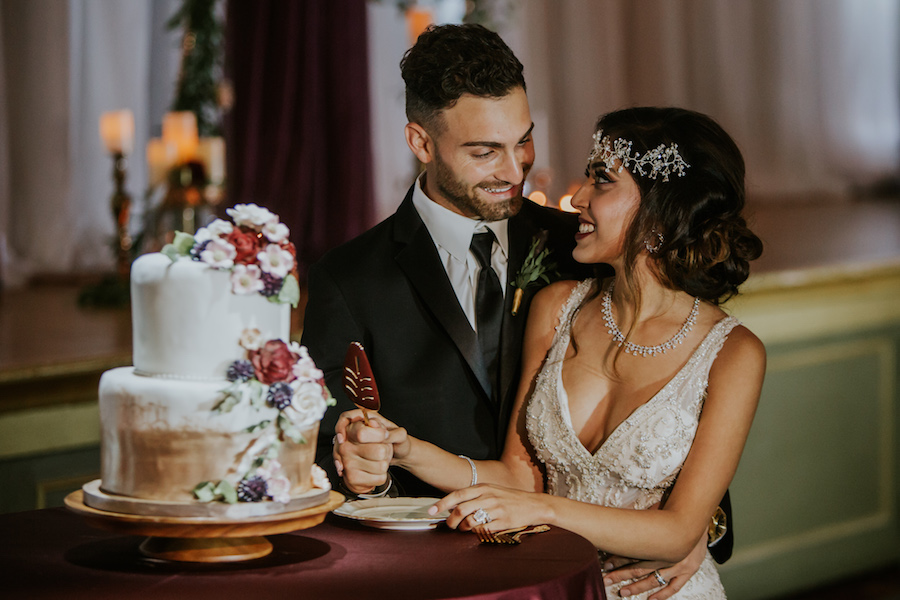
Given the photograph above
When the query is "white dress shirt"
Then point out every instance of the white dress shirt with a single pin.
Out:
(452, 235)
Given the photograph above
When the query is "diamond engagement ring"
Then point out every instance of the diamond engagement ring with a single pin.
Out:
(660, 578)
(481, 517)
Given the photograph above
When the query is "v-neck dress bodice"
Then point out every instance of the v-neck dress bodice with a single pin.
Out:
(641, 458)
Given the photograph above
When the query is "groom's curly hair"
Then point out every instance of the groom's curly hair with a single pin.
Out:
(448, 61)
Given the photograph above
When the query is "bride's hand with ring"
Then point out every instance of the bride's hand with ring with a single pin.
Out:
(505, 508)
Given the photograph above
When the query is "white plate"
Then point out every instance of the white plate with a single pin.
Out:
(393, 513)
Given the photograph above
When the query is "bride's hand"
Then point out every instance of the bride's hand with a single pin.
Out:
(675, 575)
(362, 454)
(506, 507)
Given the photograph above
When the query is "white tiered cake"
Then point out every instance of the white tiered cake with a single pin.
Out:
(219, 405)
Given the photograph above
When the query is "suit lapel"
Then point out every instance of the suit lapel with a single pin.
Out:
(521, 232)
(419, 260)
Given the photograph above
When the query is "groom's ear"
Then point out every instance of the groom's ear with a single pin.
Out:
(421, 144)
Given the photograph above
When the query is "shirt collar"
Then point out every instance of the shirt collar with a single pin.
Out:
(453, 231)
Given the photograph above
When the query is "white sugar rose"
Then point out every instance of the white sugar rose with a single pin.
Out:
(308, 403)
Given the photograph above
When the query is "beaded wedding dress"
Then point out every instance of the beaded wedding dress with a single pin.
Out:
(641, 458)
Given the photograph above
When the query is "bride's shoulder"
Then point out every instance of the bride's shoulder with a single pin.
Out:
(547, 305)
(551, 297)
(742, 350)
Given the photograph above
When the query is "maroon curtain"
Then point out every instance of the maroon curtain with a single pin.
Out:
(298, 133)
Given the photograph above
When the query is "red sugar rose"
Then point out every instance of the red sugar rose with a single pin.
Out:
(274, 362)
(247, 244)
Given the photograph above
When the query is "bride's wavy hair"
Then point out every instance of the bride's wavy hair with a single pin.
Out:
(701, 242)
(705, 246)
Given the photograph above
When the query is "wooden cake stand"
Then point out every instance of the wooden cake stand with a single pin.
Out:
(201, 539)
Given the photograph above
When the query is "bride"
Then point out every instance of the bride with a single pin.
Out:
(637, 391)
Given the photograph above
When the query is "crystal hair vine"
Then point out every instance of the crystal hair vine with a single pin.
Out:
(660, 161)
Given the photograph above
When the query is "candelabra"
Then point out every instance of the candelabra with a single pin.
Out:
(117, 133)
(184, 206)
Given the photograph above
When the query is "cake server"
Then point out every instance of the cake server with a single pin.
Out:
(359, 382)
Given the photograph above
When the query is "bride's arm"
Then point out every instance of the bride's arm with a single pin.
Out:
(670, 533)
(516, 469)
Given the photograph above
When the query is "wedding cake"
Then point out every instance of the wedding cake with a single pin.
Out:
(220, 412)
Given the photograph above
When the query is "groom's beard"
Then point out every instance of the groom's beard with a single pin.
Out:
(469, 202)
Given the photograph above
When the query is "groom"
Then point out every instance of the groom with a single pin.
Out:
(408, 289)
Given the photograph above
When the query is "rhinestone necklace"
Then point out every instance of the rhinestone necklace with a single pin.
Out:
(636, 349)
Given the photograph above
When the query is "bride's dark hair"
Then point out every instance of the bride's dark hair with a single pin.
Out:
(701, 242)
(707, 246)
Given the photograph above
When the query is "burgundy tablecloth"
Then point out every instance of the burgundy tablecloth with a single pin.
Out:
(53, 553)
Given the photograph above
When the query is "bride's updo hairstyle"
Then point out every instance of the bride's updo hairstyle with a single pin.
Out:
(692, 221)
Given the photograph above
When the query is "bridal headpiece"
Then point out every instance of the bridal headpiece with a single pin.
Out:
(661, 161)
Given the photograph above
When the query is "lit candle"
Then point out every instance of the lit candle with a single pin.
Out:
(161, 157)
(180, 129)
(117, 131)
(212, 155)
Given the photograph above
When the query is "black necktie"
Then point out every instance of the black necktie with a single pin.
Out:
(488, 305)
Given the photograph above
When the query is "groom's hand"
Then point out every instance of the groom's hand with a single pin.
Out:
(362, 454)
(643, 573)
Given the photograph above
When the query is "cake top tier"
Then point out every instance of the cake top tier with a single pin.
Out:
(192, 302)
(187, 323)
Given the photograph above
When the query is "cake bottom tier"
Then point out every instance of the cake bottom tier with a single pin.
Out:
(160, 438)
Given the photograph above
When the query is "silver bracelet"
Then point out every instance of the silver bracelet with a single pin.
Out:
(376, 493)
(474, 470)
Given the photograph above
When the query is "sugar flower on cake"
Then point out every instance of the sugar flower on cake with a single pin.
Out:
(218, 254)
(274, 375)
(251, 215)
(319, 477)
(250, 339)
(246, 279)
(278, 487)
(255, 249)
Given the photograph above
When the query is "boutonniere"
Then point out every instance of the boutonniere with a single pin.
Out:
(535, 268)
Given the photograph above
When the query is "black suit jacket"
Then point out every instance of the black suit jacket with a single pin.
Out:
(388, 290)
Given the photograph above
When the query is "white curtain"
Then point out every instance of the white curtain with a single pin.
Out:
(808, 88)
(67, 62)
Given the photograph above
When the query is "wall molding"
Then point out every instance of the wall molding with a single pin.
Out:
(883, 350)
(803, 305)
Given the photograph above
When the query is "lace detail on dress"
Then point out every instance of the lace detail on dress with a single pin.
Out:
(642, 457)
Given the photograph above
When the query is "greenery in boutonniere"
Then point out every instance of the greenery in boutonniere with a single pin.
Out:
(536, 268)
